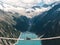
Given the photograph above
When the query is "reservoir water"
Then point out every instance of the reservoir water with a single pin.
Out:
(28, 42)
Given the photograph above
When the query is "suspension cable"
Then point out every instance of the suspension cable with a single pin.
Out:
(50, 38)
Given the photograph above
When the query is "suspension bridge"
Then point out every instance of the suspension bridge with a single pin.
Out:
(50, 38)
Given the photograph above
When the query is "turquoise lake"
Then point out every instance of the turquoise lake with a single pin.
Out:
(28, 42)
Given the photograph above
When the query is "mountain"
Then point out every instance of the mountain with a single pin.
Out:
(34, 7)
(11, 25)
(48, 24)
(7, 29)
(22, 23)
(28, 12)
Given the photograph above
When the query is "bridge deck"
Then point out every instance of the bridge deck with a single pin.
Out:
(31, 39)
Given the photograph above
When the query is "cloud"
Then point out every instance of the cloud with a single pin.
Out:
(50, 1)
(28, 3)
(22, 3)
(22, 6)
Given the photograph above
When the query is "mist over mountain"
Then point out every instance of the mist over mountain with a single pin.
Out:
(45, 23)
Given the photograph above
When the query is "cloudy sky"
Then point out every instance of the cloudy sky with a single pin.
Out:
(22, 6)
(28, 3)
